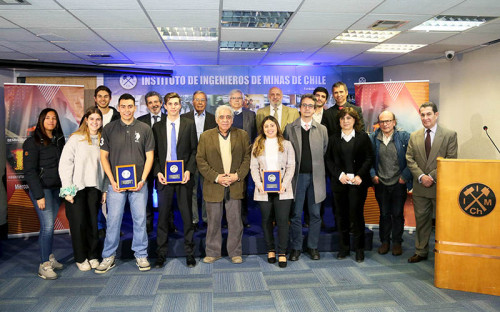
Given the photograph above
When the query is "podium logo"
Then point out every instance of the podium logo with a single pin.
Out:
(477, 200)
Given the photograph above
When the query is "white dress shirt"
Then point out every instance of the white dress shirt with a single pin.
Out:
(169, 135)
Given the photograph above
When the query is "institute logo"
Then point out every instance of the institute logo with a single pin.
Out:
(128, 81)
(126, 174)
(174, 168)
(477, 200)
(271, 178)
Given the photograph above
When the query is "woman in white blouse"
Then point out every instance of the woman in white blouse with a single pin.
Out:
(83, 188)
(271, 152)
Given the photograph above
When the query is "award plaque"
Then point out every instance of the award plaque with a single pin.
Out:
(272, 181)
(174, 171)
(126, 177)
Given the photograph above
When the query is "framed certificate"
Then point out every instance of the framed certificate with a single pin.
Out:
(174, 171)
(126, 177)
(272, 181)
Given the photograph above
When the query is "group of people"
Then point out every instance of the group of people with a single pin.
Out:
(221, 153)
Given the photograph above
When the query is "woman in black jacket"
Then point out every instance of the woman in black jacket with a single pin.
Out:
(348, 160)
(41, 153)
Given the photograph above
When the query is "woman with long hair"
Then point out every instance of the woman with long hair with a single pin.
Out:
(41, 153)
(83, 188)
(348, 160)
(271, 152)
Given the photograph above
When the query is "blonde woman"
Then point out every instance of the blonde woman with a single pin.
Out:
(83, 188)
(271, 152)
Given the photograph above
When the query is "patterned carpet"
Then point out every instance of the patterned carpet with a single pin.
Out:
(381, 283)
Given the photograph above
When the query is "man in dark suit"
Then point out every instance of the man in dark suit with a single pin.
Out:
(321, 95)
(243, 119)
(154, 103)
(339, 93)
(203, 121)
(175, 139)
(424, 147)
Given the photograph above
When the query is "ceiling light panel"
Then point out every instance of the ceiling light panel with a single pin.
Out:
(254, 19)
(396, 48)
(244, 46)
(372, 36)
(452, 23)
(188, 33)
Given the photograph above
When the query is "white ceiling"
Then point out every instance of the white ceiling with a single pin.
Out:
(68, 31)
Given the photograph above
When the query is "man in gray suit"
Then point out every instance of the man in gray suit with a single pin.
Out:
(424, 147)
(310, 141)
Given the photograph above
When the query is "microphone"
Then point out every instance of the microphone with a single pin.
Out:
(485, 128)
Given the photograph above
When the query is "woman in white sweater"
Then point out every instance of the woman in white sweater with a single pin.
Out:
(83, 188)
(271, 152)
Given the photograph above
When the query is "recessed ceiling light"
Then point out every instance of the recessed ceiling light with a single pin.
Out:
(396, 48)
(244, 46)
(188, 33)
(373, 36)
(452, 23)
(255, 19)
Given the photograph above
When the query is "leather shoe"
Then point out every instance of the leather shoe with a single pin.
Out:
(271, 256)
(397, 250)
(342, 254)
(282, 261)
(383, 249)
(314, 253)
(360, 255)
(159, 263)
(416, 258)
(294, 255)
(190, 261)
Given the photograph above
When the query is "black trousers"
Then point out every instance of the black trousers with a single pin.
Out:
(349, 207)
(184, 201)
(279, 210)
(82, 217)
(391, 200)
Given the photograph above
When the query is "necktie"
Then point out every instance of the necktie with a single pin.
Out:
(173, 143)
(276, 114)
(428, 143)
(155, 119)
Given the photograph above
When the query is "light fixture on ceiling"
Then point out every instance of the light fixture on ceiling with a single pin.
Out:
(371, 36)
(244, 46)
(188, 33)
(255, 19)
(452, 23)
(396, 48)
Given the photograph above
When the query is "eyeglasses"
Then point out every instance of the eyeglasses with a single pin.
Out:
(199, 100)
(236, 98)
(226, 117)
(307, 105)
(385, 121)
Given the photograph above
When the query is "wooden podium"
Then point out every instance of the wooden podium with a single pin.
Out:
(467, 246)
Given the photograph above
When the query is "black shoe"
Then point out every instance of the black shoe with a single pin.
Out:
(160, 262)
(360, 255)
(195, 226)
(172, 228)
(102, 233)
(306, 225)
(342, 254)
(314, 254)
(205, 225)
(282, 261)
(294, 255)
(271, 256)
(246, 225)
(190, 261)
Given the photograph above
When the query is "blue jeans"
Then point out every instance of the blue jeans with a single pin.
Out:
(305, 190)
(116, 204)
(47, 217)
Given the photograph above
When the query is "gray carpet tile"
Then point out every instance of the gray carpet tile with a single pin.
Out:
(250, 264)
(354, 297)
(261, 301)
(187, 302)
(239, 282)
(129, 285)
(76, 287)
(17, 304)
(303, 299)
(291, 279)
(177, 266)
(31, 287)
(417, 293)
(342, 276)
(141, 303)
(490, 305)
(63, 304)
(185, 284)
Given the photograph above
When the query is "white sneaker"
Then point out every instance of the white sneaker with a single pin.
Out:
(55, 265)
(105, 265)
(143, 264)
(94, 263)
(45, 271)
(84, 266)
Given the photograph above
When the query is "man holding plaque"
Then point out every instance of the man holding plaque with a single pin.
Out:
(174, 161)
(310, 141)
(127, 152)
(223, 159)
